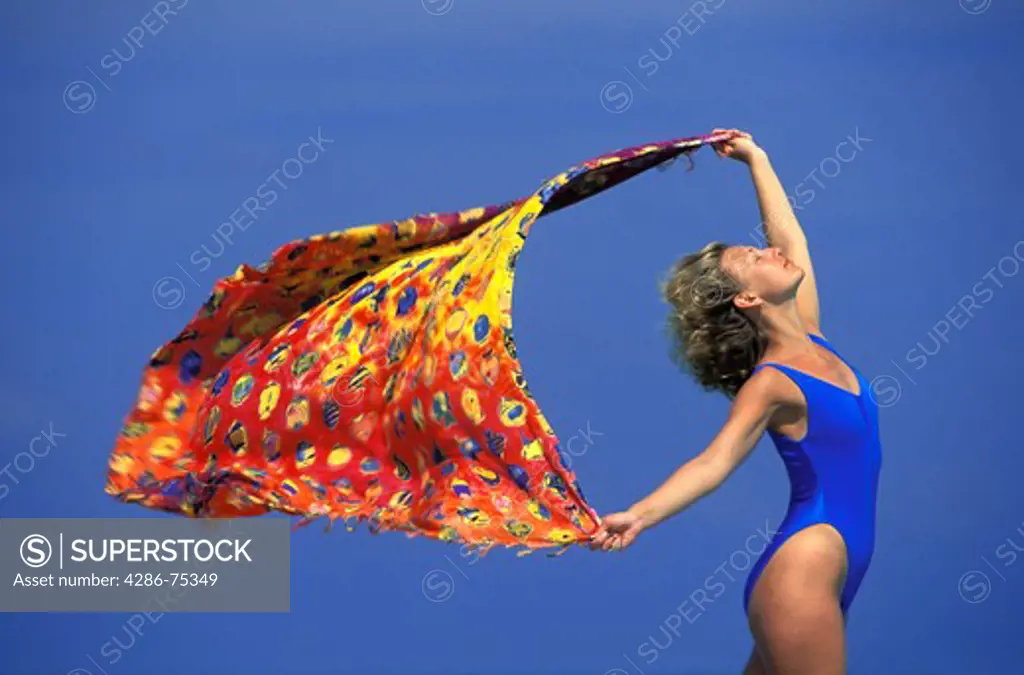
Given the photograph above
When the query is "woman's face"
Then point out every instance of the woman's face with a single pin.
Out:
(762, 273)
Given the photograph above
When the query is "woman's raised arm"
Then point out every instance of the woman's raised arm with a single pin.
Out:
(782, 230)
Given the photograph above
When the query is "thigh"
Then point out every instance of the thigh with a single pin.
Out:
(794, 609)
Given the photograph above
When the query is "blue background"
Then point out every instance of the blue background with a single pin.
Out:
(435, 111)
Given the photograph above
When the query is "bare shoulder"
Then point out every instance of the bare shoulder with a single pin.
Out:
(763, 400)
(771, 388)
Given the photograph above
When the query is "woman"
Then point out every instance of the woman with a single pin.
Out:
(746, 323)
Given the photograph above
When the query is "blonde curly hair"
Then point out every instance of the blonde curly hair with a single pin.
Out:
(712, 339)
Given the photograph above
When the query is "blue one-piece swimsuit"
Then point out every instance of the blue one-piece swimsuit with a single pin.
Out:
(833, 472)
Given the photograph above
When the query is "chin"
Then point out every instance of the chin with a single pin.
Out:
(798, 277)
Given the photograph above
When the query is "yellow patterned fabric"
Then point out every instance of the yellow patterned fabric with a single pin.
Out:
(370, 375)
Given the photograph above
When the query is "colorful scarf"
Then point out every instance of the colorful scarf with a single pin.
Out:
(370, 375)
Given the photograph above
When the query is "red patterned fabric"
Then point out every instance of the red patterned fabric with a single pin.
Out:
(371, 375)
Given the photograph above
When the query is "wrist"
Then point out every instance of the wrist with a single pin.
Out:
(757, 157)
(642, 514)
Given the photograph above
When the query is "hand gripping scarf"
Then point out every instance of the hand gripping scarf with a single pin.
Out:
(370, 375)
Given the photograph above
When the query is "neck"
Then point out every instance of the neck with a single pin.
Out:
(782, 325)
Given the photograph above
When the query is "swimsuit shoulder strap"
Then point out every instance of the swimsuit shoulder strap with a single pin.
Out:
(828, 345)
(823, 342)
(792, 373)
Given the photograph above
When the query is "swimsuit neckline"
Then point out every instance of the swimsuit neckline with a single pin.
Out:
(860, 385)
(856, 375)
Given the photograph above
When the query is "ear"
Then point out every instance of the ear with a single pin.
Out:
(746, 300)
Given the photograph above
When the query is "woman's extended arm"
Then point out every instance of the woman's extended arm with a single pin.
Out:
(781, 228)
(748, 417)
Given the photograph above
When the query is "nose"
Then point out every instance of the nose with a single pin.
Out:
(777, 255)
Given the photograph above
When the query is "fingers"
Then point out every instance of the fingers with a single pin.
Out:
(598, 539)
(627, 538)
(736, 144)
(630, 536)
(615, 533)
(723, 148)
(735, 133)
(618, 542)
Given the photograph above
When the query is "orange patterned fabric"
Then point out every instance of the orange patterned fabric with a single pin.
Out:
(369, 375)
